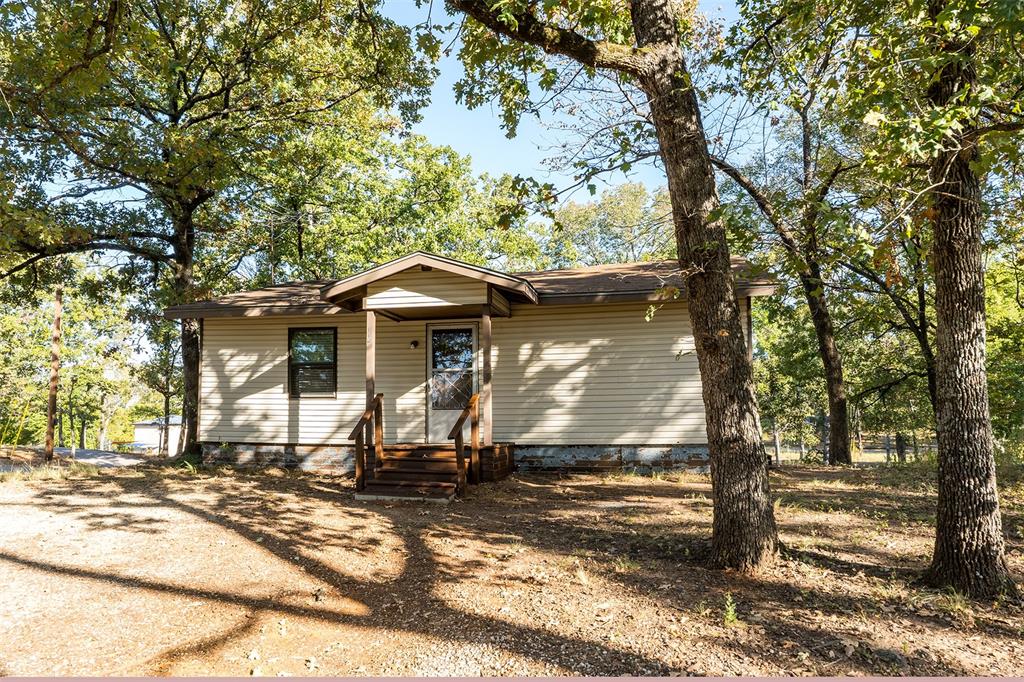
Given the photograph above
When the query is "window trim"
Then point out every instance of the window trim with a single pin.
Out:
(291, 365)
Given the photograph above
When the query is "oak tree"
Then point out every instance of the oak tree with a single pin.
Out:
(508, 45)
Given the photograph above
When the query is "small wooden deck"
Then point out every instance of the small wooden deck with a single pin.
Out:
(428, 471)
(425, 471)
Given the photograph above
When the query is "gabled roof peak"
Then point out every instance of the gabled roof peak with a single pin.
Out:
(337, 291)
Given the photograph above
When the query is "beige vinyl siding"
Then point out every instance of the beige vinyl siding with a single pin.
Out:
(244, 381)
(596, 374)
(499, 304)
(582, 374)
(424, 288)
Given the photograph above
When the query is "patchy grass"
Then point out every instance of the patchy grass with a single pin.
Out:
(59, 471)
(212, 571)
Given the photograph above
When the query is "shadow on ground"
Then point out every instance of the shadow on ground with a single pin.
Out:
(816, 613)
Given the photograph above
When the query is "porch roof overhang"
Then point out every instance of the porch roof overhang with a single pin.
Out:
(346, 293)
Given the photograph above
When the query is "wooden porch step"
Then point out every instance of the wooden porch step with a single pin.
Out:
(421, 465)
(441, 457)
(408, 483)
(419, 454)
(398, 493)
(430, 491)
(406, 474)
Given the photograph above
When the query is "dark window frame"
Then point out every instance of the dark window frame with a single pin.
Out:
(292, 392)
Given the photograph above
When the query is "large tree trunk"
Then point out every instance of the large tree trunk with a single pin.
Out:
(969, 548)
(164, 449)
(776, 442)
(838, 409)
(184, 253)
(190, 380)
(180, 446)
(744, 534)
(71, 415)
(51, 401)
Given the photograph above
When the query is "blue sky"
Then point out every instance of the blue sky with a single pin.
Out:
(478, 133)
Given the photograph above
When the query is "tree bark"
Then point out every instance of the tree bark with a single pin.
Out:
(969, 546)
(921, 329)
(804, 253)
(860, 434)
(776, 442)
(838, 451)
(180, 447)
(71, 415)
(51, 403)
(165, 430)
(744, 535)
(838, 446)
(184, 284)
(901, 447)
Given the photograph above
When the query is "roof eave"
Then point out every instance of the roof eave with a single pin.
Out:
(337, 290)
(568, 298)
(197, 311)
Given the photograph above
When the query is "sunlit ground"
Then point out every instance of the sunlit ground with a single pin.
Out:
(165, 572)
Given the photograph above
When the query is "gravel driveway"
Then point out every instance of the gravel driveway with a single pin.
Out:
(145, 571)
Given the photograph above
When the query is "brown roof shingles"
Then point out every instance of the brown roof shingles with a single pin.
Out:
(619, 281)
(289, 298)
(627, 278)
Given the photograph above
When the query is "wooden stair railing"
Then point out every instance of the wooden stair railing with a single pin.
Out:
(374, 414)
(471, 412)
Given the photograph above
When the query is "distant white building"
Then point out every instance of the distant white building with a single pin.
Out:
(149, 434)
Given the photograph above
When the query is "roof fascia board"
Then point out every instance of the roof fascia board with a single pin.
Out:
(642, 295)
(187, 311)
(510, 282)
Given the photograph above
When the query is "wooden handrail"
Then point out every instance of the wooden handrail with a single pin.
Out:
(367, 415)
(471, 412)
(374, 414)
(470, 406)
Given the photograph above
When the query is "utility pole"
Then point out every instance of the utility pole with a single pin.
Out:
(51, 405)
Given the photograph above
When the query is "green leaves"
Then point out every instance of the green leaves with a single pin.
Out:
(515, 75)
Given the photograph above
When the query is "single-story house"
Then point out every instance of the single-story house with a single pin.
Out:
(373, 373)
(148, 435)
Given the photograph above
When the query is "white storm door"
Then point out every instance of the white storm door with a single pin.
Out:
(451, 377)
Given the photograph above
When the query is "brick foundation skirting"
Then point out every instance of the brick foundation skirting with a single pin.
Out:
(325, 459)
(340, 459)
(643, 459)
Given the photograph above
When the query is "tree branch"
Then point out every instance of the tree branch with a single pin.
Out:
(527, 28)
(763, 203)
(886, 386)
(64, 249)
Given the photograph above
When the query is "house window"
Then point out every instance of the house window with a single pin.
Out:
(312, 361)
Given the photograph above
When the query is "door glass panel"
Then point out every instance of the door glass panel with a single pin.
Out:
(451, 373)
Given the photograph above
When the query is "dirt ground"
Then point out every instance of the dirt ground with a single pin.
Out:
(161, 572)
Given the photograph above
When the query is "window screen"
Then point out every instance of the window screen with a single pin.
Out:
(312, 361)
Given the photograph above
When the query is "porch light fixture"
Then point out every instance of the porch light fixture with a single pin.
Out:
(414, 344)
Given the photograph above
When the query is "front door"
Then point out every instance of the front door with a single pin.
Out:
(451, 377)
